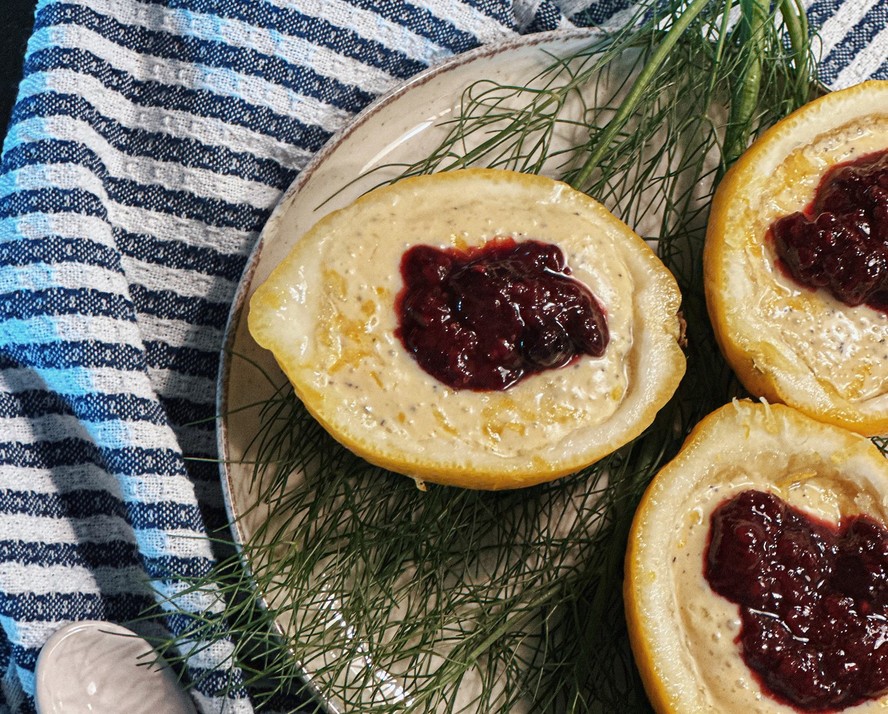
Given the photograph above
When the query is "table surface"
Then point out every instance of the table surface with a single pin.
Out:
(17, 23)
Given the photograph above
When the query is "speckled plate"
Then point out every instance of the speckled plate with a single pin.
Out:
(402, 127)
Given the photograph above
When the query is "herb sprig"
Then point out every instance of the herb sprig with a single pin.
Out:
(449, 600)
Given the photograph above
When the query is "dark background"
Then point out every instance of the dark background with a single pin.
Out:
(16, 20)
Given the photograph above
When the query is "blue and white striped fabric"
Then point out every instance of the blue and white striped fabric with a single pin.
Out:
(149, 143)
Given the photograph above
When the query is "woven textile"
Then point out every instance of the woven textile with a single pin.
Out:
(148, 145)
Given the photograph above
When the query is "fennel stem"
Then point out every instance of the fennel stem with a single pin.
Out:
(604, 137)
(754, 15)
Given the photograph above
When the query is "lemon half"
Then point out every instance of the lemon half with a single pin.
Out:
(788, 343)
(327, 313)
(683, 634)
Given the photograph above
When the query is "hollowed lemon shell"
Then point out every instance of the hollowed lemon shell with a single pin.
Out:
(327, 313)
(683, 634)
(786, 343)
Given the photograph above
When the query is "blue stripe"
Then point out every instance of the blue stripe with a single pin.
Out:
(183, 412)
(212, 211)
(497, 10)
(150, 197)
(25, 657)
(546, 17)
(68, 355)
(169, 305)
(85, 504)
(219, 682)
(185, 360)
(55, 249)
(52, 200)
(232, 110)
(171, 567)
(99, 555)
(146, 248)
(821, 10)
(87, 407)
(72, 504)
(27, 304)
(600, 12)
(125, 461)
(57, 607)
(882, 72)
(422, 22)
(317, 31)
(53, 152)
(857, 39)
(182, 623)
(96, 354)
(159, 147)
(105, 554)
(165, 516)
(32, 403)
(179, 255)
(246, 61)
(80, 503)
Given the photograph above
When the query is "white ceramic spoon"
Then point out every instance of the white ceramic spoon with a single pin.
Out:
(95, 667)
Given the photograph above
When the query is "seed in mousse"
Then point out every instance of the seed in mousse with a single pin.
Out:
(840, 240)
(813, 599)
(484, 318)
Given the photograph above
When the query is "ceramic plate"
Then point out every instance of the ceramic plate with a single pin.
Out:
(402, 127)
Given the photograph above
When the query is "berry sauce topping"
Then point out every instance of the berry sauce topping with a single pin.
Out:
(840, 241)
(813, 599)
(484, 318)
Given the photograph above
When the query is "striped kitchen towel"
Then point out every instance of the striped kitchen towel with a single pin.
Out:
(149, 142)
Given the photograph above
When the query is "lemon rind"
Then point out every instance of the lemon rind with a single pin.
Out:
(653, 382)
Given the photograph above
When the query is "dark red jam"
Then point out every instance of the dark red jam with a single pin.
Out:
(484, 318)
(813, 599)
(840, 241)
